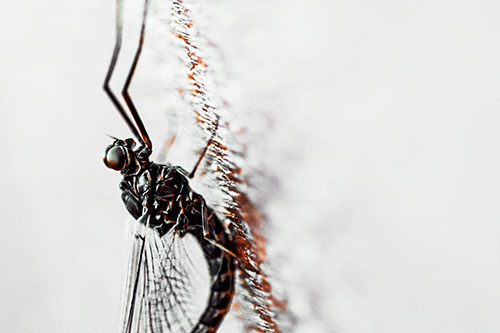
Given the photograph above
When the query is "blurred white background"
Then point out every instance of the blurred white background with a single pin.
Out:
(384, 137)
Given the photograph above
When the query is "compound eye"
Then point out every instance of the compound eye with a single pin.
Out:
(116, 158)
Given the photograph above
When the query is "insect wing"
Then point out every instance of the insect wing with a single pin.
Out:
(167, 283)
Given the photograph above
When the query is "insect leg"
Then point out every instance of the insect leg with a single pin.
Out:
(204, 220)
(132, 202)
(206, 226)
(111, 68)
(125, 93)
(216, 125)
(220, 246)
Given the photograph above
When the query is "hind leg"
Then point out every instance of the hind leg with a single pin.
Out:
(211, 222)
(209, 142)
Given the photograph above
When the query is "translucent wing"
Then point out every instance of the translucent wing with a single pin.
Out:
(167, 282)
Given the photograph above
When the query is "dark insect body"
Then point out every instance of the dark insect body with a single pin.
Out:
(159, 197)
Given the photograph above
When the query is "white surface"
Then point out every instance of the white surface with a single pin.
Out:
(385, 141)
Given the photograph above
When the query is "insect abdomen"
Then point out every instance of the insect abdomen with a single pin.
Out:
(222, 290)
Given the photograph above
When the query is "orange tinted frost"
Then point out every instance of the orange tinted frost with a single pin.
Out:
(250, 247)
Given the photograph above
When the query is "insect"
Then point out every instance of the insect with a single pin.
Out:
(172, 220)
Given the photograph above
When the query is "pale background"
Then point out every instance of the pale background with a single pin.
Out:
(385, 135)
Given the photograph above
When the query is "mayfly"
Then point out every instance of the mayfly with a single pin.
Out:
(169, 215)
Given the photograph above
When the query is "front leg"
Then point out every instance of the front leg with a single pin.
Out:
(131, 200)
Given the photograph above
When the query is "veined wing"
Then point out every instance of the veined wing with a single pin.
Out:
(167, 284)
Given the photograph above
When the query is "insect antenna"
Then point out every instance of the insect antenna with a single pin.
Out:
(111, 68)
(125, 92)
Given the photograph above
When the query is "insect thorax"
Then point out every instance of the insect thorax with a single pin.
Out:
(160, 196)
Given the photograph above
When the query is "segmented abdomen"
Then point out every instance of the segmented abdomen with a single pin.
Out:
(221, 295)
(222, 269)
